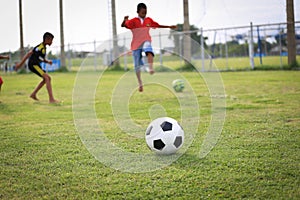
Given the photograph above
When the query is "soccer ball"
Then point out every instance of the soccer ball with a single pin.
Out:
(178, 85)
(164, 136)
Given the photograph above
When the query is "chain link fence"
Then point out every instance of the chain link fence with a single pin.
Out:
(233, 48)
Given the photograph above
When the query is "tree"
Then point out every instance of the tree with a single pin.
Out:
(291, 39)
(195, 39)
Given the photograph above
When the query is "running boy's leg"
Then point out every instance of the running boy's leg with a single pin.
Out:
(40, 72)
(138, 75)
(46, 80)
(137, 56)
(147, 48)
(150, 61)
(37, 89)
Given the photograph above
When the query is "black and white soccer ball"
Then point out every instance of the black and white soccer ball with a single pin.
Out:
(164, 136)
(178, 85)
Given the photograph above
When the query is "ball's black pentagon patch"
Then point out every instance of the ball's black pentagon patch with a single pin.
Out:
(158, 144)
(149, 130)
(166, 126)
(178, 141)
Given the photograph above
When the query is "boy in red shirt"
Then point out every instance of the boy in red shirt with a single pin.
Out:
(141, 39)
(2, 57)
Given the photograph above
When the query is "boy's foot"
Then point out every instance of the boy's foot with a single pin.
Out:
(141, 88)
(54, 101)
(151, 71)
(34, 97)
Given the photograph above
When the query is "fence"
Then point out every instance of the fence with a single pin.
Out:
(233, 48)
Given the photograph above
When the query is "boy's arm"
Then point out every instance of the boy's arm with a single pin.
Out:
(164, 26)
(4, 57)
(154, 24)
(124, 21)
(48, 61)
(42, 58)
(20, 64)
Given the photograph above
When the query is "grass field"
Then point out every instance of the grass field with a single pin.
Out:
(256, 157)
(175, 62)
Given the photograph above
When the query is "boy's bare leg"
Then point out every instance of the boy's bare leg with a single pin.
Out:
(47, 79)
(138, 75)
(37, 89)
(150, 62)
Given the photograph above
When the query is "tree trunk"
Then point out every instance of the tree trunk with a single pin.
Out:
(291, 40)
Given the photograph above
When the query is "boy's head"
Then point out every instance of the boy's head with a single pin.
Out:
(142, 10)
(47, 38)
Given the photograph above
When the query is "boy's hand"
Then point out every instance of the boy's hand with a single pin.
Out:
(125, 19)
(49, 62)
(173, 27)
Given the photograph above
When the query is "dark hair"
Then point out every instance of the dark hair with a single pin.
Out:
(48, 35)
(141, 6)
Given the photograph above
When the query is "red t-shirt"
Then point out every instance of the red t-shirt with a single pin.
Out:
(140, 31)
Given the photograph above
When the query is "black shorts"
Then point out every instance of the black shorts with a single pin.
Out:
(37, 69)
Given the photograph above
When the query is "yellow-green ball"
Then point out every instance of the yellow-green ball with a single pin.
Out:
(178, 85)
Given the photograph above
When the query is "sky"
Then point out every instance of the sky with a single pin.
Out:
(88, 20)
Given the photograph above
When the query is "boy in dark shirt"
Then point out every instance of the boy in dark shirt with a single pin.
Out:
(36, 56)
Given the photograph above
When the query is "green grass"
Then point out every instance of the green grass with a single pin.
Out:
(223, 64)
(257, 156)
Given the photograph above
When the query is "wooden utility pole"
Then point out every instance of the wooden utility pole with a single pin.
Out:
(186, 28)
(62, 40)
(291, 40)
(115, 36)
(22, 53)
